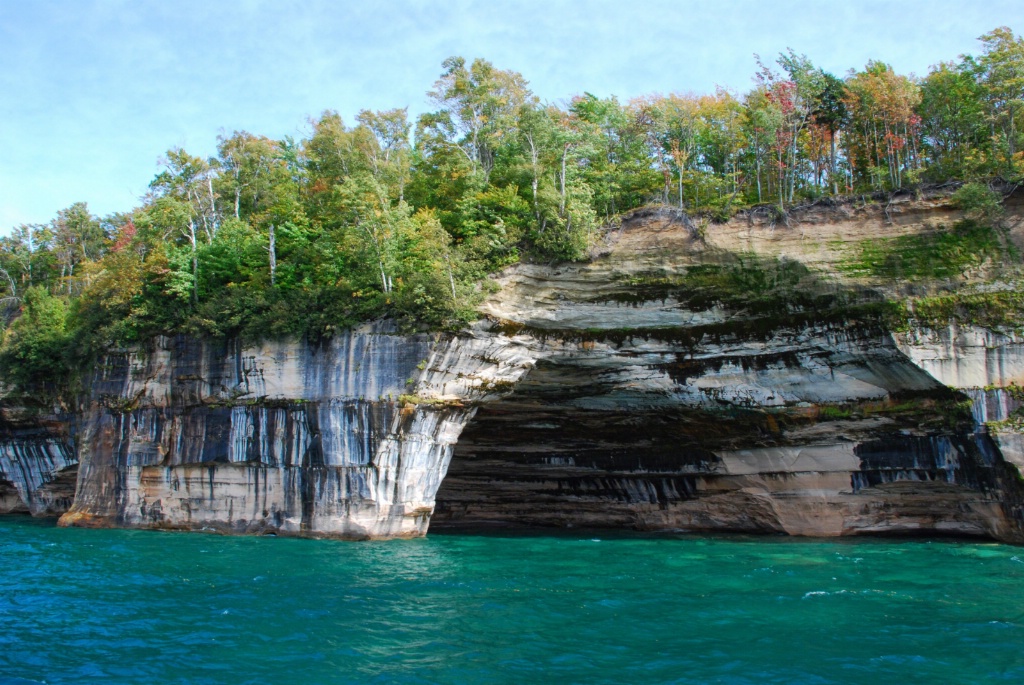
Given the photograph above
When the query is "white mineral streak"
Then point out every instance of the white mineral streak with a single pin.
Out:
(983, 364)
(350, 440)
(34, 467)
(964, 356)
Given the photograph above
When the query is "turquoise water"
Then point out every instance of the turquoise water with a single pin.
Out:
(83, 606)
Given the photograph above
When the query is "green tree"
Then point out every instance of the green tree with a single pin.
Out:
(953, 120)
(477, 108)
(979, 203)
(1003, 82)
(830, 112)
(185, 202)
(77, 237)
(387, 148)
(249, 169)
(35, 345)
(763, 123)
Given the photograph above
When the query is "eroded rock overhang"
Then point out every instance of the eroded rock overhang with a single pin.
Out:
(738, 379)
(38, 465)
(697, 378)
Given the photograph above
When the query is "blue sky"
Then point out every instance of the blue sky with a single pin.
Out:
(94, 91)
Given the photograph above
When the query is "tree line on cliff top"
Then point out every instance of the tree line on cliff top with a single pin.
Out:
(406, 219)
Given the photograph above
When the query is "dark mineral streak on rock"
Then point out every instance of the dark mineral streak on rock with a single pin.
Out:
(740, 378)
(38, 468)
(347, 439)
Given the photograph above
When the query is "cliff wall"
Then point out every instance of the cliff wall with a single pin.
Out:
(38, 465)
(350, 439)
(737, 377)
(745, 378)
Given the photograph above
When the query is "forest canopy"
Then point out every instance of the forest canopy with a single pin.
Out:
(383, 216)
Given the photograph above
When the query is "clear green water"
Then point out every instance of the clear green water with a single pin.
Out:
(83, 606)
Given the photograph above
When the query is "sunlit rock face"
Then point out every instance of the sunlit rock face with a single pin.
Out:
(965, 356)
(349, 439)
(38, 466)
(736, 379)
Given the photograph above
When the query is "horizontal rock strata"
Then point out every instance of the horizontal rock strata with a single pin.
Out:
(738, 377)
(711, 381)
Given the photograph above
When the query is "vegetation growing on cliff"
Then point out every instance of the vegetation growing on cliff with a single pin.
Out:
(392, 217)
(944, 254)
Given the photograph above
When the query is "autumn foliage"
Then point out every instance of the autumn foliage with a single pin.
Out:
(389, 217)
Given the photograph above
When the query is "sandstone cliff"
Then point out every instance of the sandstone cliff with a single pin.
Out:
(349, 439)
(747, 376)
(744, 377)
(38, 466)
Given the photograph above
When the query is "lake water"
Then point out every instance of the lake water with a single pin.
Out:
(110, 606)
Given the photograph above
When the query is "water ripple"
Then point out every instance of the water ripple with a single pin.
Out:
(128, 607)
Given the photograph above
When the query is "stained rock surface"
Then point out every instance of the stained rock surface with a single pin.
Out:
(735, 377)
(743, 377)
(38, 466)
(350, 439)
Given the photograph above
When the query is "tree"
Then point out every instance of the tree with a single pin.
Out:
(697, 139)
(795, 98)
(884, 125)
(1003, 82)
(34, 347)
(953, 120)
(331, 154)
(763, 122)
(77, 237)
(388, 149)
(537, 138)
(247, 166)
(189, 180)
(478, 107)
(112, 309)
(381, 224)
(678, 117)
(27, 256)
(831, 114)
(617, 165)
(554, 150)
(184, 195)
(979, 203)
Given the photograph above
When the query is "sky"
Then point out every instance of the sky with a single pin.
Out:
(93, 92)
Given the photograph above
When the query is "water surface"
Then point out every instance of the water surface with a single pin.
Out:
(115, 606)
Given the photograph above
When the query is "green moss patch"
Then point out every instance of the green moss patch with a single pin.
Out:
(741, 283)
(943, 254)
(1003, 310)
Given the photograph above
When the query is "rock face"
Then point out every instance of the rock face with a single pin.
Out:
(690, 386)
(38, 467)
(349, 440)
(965, 356)
(736, 377)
